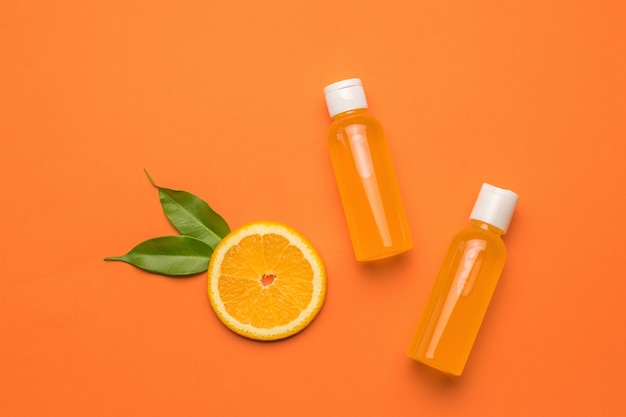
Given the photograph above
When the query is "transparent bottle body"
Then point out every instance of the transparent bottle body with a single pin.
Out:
(459, 300)
(368, 186)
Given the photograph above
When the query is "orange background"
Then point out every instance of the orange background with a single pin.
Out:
(224, 99)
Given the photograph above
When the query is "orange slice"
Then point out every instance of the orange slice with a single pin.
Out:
(266, 281)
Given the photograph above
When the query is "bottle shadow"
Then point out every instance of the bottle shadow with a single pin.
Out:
(386, 266)
(440, 379)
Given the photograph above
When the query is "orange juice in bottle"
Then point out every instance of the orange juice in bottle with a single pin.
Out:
(463, 289)
(365, 176)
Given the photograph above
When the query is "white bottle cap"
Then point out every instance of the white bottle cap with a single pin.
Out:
(345, 95)
(494, 206)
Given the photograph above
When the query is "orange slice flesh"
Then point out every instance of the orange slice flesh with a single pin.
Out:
(266, 281)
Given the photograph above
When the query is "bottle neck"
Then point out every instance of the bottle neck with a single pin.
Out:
(486, 226)
(348, 113)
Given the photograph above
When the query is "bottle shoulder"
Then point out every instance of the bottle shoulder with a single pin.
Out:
(351, 118)
(491, 239)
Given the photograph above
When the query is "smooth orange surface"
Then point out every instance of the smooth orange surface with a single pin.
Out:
(224, 99)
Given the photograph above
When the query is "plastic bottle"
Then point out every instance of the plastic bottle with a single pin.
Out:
(466, 282)
(365, 177)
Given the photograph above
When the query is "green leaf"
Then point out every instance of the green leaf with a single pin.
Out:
(169, 255)
(191, 216)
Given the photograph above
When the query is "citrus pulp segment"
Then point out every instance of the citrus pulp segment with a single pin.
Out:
(266, 281)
